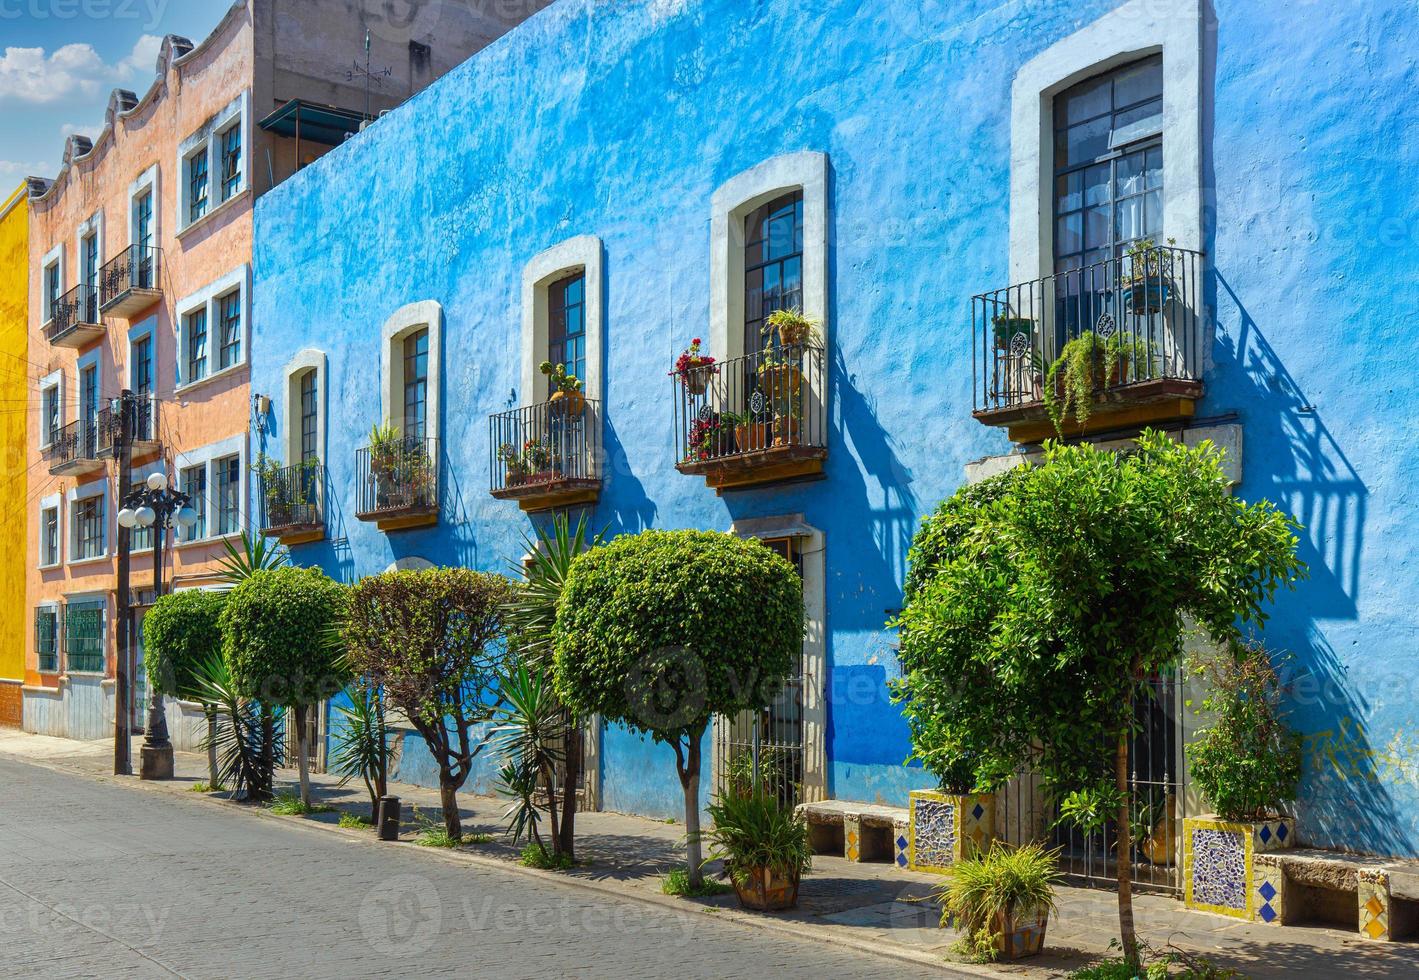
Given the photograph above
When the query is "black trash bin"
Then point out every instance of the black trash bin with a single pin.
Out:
(389, 814)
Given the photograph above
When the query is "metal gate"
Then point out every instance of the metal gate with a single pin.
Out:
(768, 741)
(315, 742)
(1158, 782)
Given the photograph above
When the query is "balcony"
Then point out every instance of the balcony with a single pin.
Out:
(75, 320)
(291, 503)
(397, 483)
(146, 439)
(753, 420)
(547, 455)
(129, 283)
(1136, 322)
(74, 450)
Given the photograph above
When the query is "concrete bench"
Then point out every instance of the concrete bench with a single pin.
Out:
(857, 831)
(1377, 897)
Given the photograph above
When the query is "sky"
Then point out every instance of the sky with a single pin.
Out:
(59, 59)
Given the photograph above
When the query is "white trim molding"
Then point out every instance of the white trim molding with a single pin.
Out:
(72, 497)
(731, 203)
(93, 225)
(583, 252)
(55, 503)
(204, 457)
(148, 180)
(239, 280)
(308, 359)
(206, 141)
(53, 259)
(1135, 30)
(402, 322)
(53, 381)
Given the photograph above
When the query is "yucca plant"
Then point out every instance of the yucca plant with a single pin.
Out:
(257, 554)
(759, 838)
(531, 734)
(359, 745)
(245, 735)
(987, 892)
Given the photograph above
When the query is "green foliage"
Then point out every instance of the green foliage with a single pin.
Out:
(277, 628)
(661, 630)
(291, 805)
(559, 377)
(257, 554)
(435, 835)
(206, 788)
(531, 732)
(1248, 763)
(739, 771)
(534, 855)
(358, 744)
(1014, 881)
(533, 612)
(792, 327)
(677, 882)
(756, 830)
(354, 821)
(180, 632)
(239, 735)
(1086, 364)
(1170, 964)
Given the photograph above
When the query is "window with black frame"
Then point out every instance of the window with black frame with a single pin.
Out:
(46, 638)
(231, 160)
(773, 265)
(566, 326)
(1108, 187)
(197, 185)
(416, 386)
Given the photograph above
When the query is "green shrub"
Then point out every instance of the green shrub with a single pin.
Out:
(677, 882)
(355, 821)
(537, 856)
(756, 830)
(1016, 881)
(291, 805)
(277, 628)
(180, 632)
(1248, 763)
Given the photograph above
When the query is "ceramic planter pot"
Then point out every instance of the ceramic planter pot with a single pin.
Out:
(1020, 936)
(1147, 297)
(1220, 873)
(946, 827)
(752, 436)
(696, 379)
(781, 380)
(785, 431)
(569, 403)
(765, 891)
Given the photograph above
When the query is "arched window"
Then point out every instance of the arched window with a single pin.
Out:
(309, 418)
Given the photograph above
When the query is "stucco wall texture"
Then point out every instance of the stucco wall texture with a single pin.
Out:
(620, 119)
(15, 397)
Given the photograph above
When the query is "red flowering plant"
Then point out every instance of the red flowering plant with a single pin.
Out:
(693, 368)
(708, 437)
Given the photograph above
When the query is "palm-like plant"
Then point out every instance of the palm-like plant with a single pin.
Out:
(531, 733)
(256, 555)
(241, 734)
(358, 746)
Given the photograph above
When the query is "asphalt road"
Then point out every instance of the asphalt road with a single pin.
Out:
(101, 880)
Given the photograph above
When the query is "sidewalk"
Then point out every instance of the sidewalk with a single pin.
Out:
(865, 906)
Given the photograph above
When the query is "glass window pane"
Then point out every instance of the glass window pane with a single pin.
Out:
(1130, 174)
(1096, 228)
(1069, 234)
(1086, 101)
(1130, 220)
(1068, 190)
(1136, 124)
(1153, 168)
(1138, 83)
(1082, 143)
(1096, 185)
(1153, 216)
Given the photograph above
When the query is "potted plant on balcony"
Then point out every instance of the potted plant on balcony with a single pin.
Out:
(751, 432)
(1088, 364)
(513, 470)
(1148, 285)
(780, 373)
(537, 460)
(567, 399)
(764, 846)
(1006, 326)
(793, 329)
(1001, 900)
(694, 369)
(711, 436)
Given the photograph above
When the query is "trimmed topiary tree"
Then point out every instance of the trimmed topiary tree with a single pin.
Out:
(663, 630)
(432, 641)
(181, 633)
(280, 636)
(1054, 596)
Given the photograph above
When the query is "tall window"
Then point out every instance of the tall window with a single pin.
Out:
(197, 185)
(88, 528)
(310, 418)
(46, 638)
(139, 538)
(231, 161)
(49, 405)
(83, 636)
(566, 324)
(773, 264)
(1108, 151)
(53, 287)
(416, 384)
(89, 276)
(229, 321)
(89, 409)
(143, 238)
(141, 370)
(197, 345)
(194, 484)
(49, 536)
(228, 494)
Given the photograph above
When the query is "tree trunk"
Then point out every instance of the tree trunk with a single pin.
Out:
(268, 755)
(302, 760)
(1127, 936)
(212, 778)
(549, 776)
(690, 782)
(573, 772)
(448, 797)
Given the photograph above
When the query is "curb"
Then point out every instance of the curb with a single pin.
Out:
(793, 930)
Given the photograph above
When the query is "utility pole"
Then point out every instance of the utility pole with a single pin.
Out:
(123, 711)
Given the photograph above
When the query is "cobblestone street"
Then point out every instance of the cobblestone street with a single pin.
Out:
(100, 879)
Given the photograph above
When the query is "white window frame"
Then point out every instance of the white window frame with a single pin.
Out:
(403, 322)
(54, 381)
(308, 359)
(731, 203)
(104, 620)
(53, 259)
(239, 279)
(205, 141)
(90, 227)
(207, 457)
(73, 497)
(149, 181)
(54, 503)
(1136, 30)
(585, 254)
(53, 606)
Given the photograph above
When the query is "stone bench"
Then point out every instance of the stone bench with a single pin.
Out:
(1377, 897)
(857, 831)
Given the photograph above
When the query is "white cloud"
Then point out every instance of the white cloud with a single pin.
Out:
(75, 129)
(29, 75)
(13, 171)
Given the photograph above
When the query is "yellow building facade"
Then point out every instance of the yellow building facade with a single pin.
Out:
(15, 400)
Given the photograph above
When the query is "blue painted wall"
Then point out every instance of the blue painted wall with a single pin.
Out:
(620, 119)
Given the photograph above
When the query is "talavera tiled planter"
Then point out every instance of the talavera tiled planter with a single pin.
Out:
(1219, 867)
(945, 827)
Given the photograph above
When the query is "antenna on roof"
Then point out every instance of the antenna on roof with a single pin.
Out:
(375, 76)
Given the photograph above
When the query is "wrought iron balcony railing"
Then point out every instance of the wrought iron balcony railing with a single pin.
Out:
(129, 282)
(74, 449)
(291, 500)
(75, 319)
(145, 427)
(548, 452)
(397, 480)
(1145, 307)
(764, 409)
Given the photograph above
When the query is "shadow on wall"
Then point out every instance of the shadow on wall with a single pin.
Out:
(623, 496)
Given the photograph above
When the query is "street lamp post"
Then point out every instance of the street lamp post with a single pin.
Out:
(159, 507)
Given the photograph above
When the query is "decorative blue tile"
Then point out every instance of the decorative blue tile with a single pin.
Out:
(1281, 831)
(978, 811)
(901, 860)
(901, 841)
(1267, 891)
(935, 832)
(1219, 868)
(1265, 834)
(1267, 913)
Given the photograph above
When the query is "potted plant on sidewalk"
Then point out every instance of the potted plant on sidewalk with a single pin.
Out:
(764, 846)
(567, 399)
(1002, 901)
